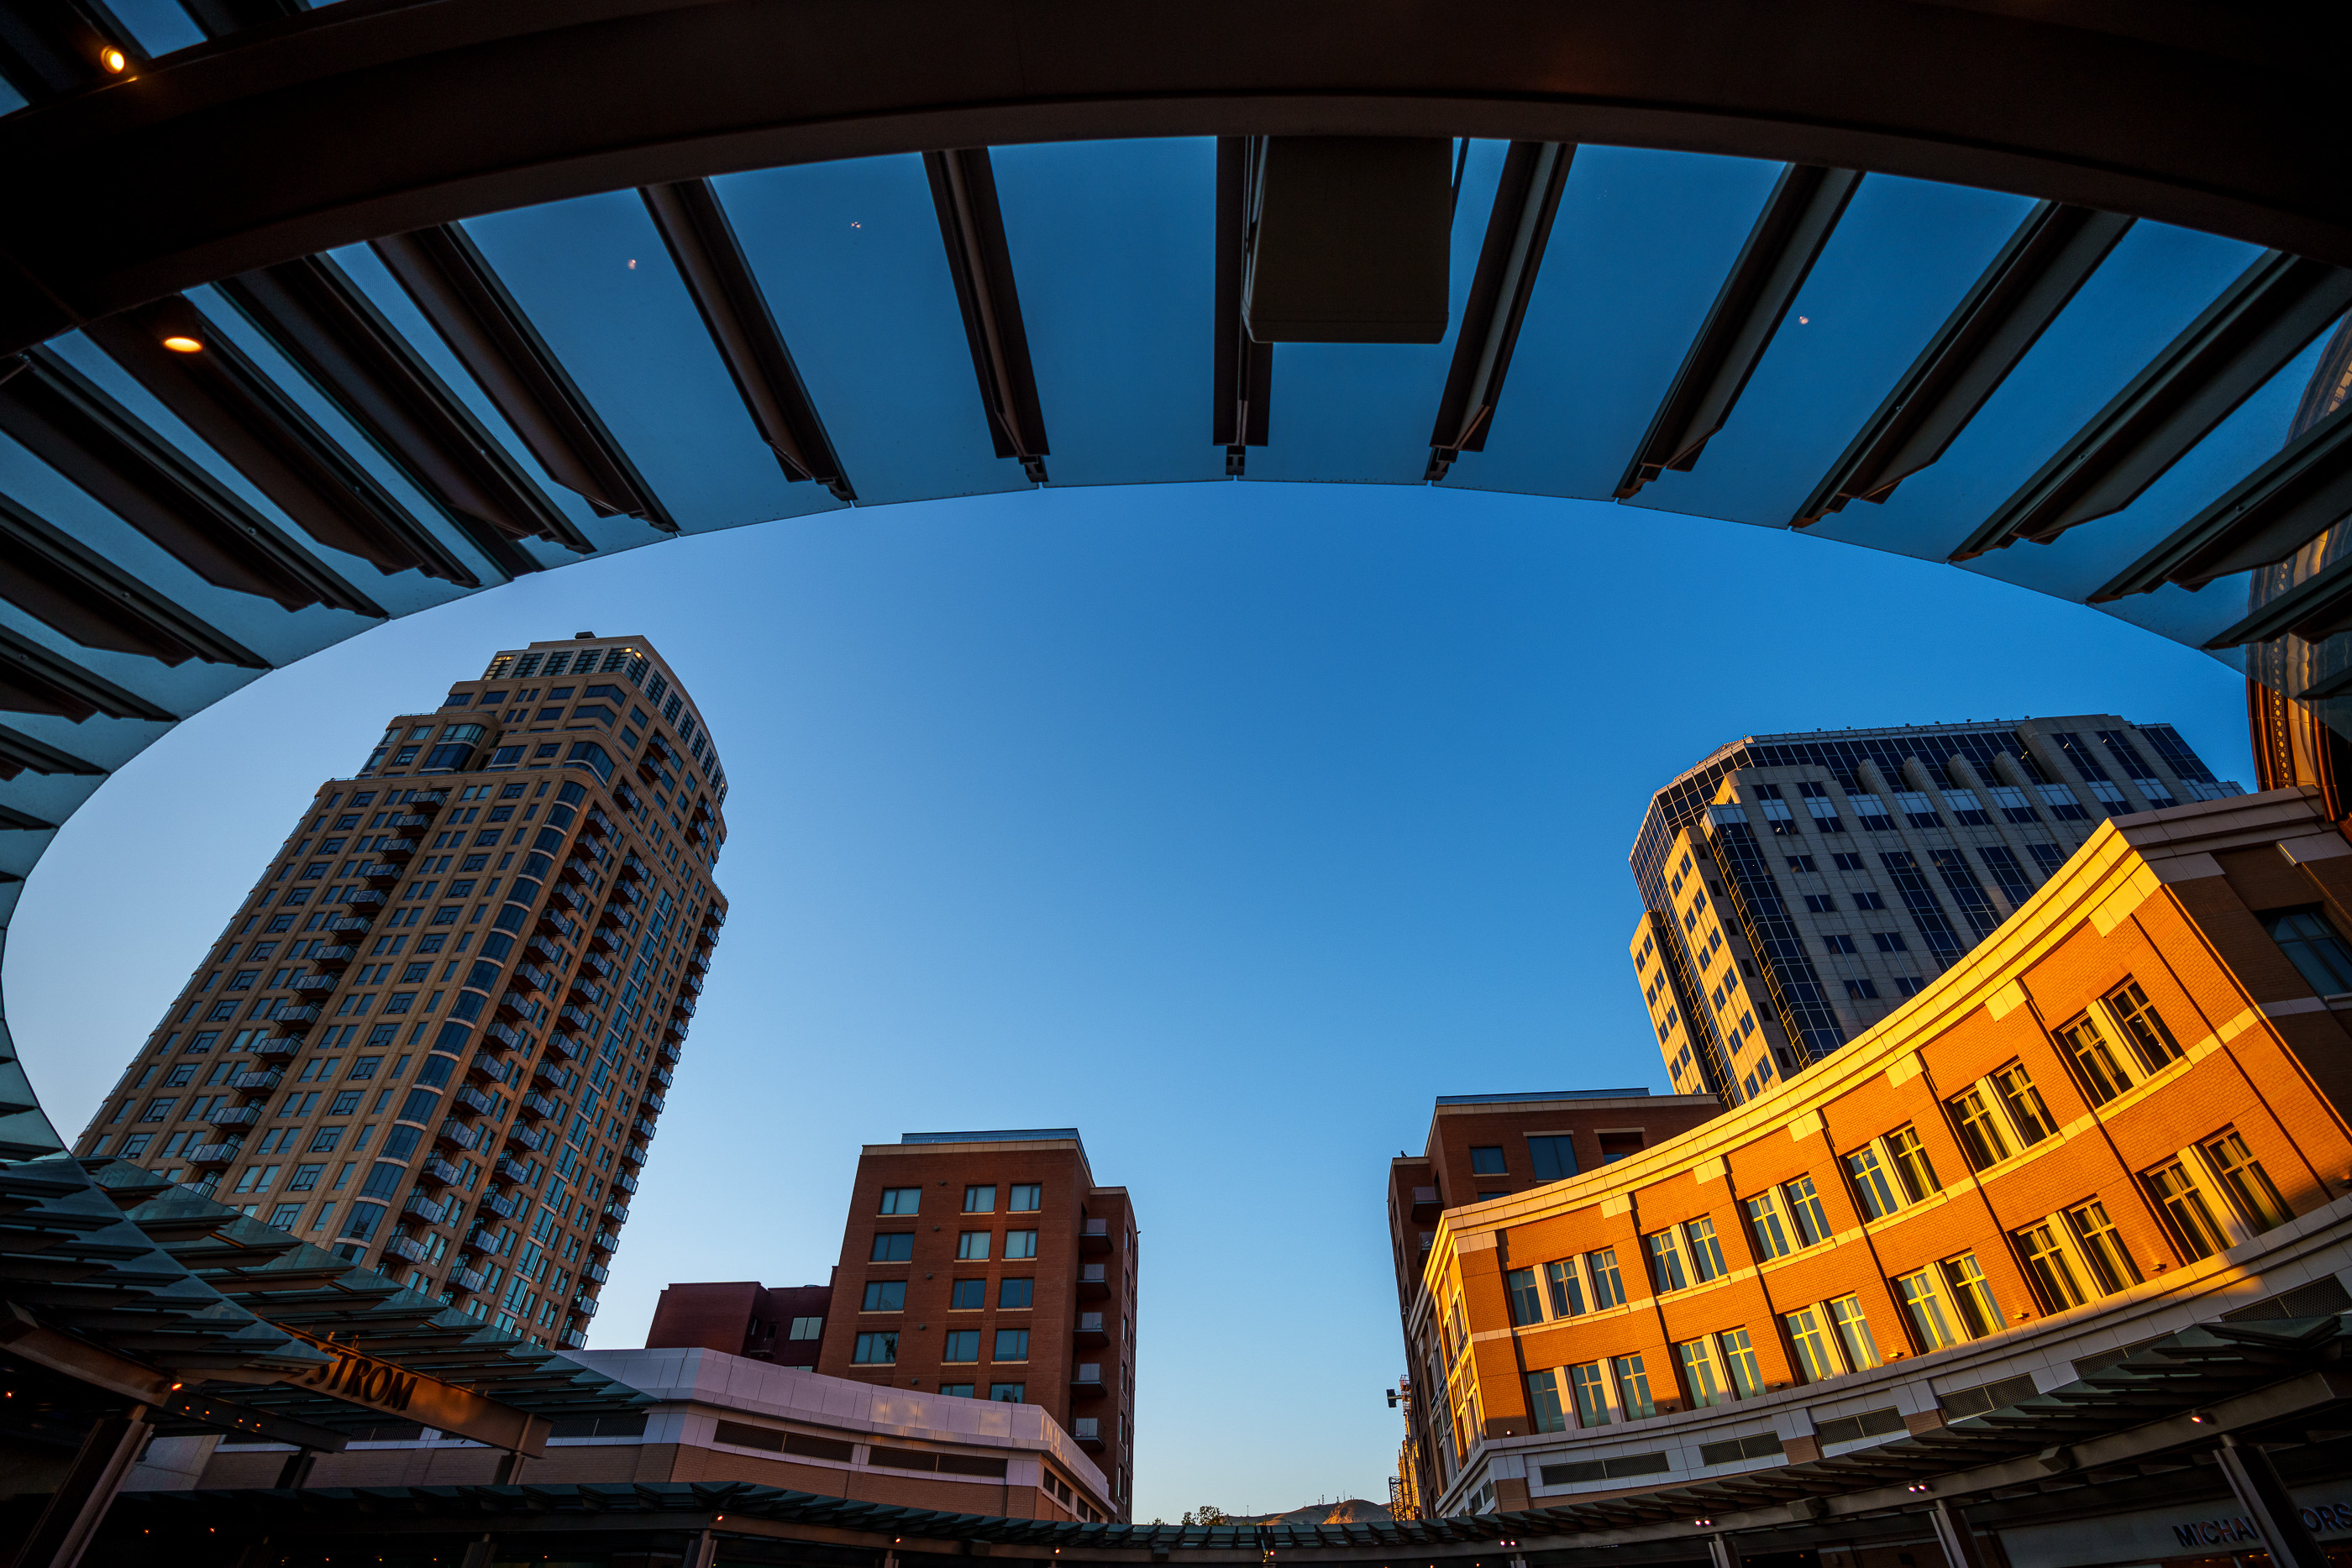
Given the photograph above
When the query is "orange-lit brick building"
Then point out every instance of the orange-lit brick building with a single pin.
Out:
(784, 1324)
(989, 1265)
(2126, 1112)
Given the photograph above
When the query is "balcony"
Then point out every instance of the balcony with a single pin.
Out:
(317, 985)
(481, 1242)
(634, 1153)
(626, 1183)
(501, 1204)
(467, 1279)
(420, 1207)
(402, 1247)
(577, 1019)
(234, 1117)
(578, 869)
(506, 1036)
(384, 874)
(644, 1127)
(546, 949)
(438, 1170)
(631, 866)
(349, 925)
(1094, 1281)
(556, 1077)
(673, 1050)
(532, 975)
(1086, 1380)
(336, 958)
(629, 894)
(572, 899)
(205, 1155)
(458, 1135)
(366, 899)
(521, 1007)
(604, 1241)
(540, 1106)
(585, 988)
(510, 1169)
(556, 920)
(605, 938)
(616, 916)
(274, 1047)
(682, 1007)
(665, 1077)
(257, 1079)
(1093, 1236)
(396, 848)
(474, 1100)
(564, 1045)
(584, 1305)
(714, 920)
(437, 798)
(1088, 1430)
(596, 1271)
(698, 961)
(488, 1066)
(617, 1212)
(600, 822)
(296, 1020)
(654, 1102)
(1425, 1205)
(626, 796)
(1090, 1330)
(674, 1027)
(573, 1339)
(530, 1138)
(412, 820)
(602, 964)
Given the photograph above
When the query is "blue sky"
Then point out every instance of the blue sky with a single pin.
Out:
(1228, 823)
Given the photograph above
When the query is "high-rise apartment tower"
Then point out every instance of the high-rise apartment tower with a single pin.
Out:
(1798, 888)
(437, 1034)
(989, 1265)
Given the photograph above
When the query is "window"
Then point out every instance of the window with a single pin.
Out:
(1808, 1339)
(962, 1345)
(1526, 1300)
(1633, 1388)
(1889, 941)
(1704, 1250)
(1016, 1292)
(1703, 1384)
(2141, 1025)
(1740, 1363)
(1764, 1222)
(2188, 1211)
(1805, 1212)
(1972, 1292)
(1028, 1197)
(893, 1247)
(1012, 1344)
(1021, 1244)
(1592, 1391)
(959, 1390)
(1913, 1169)
(2244, 1179)
(1543, 1401)
(979, 1199)
(1845, 862)
(2027, 1113)
(971, 1246)
(1862, 990)
(2102, 1249)
(1837, 942)
(305, 1177)
(2095, 1063)
(286, 1215)
(1871, 1186)
(1866, 899)
(1487, 1161)
(1802, 862)
(884, 1296)
(1553, 1157)
(967, 1295)
(899, 1200)
(1608, 1286)
(2312, 944)
(876, 1350)
(1980, 1135)
(1933, 1322)
(1007, 1393)
(1566, 1289)
(1853, 1333)
(2049, 1266)
(1666, 1272)
(807, 1328)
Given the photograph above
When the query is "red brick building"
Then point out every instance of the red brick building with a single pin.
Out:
(782, 1325)
(990, 1265)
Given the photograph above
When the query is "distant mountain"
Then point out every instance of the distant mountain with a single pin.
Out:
(1354, 1511)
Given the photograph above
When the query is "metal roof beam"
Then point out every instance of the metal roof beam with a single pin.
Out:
(2300, 493)
(219, 19)
(2003, 315)
(1787, 239)
(1245, 369)
(1517, 228)
(972, 225)
(2238, 342)
(246, 417)
(470, 306)
(63, 583)
(710, 262)
(334, 334)
(64, 419)
(35, 680)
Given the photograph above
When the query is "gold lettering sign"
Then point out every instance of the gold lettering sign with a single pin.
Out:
(359, 1378)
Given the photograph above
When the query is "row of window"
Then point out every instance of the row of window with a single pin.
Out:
(963, 1295)
(971, 1246)
(961, 1345)
(1023, 1198)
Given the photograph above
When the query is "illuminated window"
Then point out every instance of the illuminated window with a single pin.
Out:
(971, 1246)
(2102, 1249)
(1567, 1290)
(1766, 1224)
(2142, 1026)
(1805, 1212)
(2248, 1184)
(1526, 1300)
(2188, 1211)
(1543, 1402)
(1809, 1340)
(876, 1350)
(1740, 1363)
(1591, 1391)
(1853, 1333)
(1706, 1250)
(2028, 1114)
(2095, 1063)
(1913, 1169)
(1871, 1186)
(1972, 1293)
(1667, 1271)
(1703, 1382)
(1932, 1318)
(1633, 1388)
(2049, 1267)
(980, 1200)
(1608, 1285)
(1980, 1133)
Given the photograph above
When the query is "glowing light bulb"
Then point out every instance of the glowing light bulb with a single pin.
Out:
(183, 345)
(115, 61)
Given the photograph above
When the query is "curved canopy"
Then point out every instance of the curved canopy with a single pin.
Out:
(330, 315)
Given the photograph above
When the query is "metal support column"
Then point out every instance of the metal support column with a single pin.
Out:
(702, 1553)
(1721, 1553)
(1953, 1534)
(2264, 1497)
(296, 1471)
(79, 1506)
(478, 1553)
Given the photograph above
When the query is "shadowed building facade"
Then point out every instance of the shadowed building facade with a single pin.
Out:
(437, 1033)
(1798, 888)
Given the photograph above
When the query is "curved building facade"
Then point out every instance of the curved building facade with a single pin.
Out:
(2123, 1114)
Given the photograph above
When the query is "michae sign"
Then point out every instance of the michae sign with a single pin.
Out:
(358, 1378)
(2152, 1535)
(2321, 1519)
